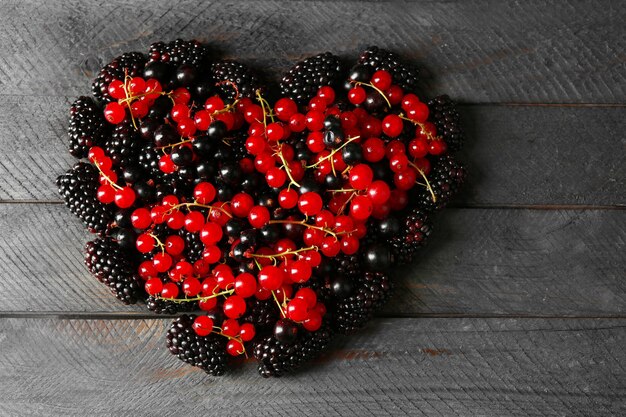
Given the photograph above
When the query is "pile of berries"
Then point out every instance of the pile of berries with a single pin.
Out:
(272, 223)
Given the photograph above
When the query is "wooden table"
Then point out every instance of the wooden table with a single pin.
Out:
(518, 306)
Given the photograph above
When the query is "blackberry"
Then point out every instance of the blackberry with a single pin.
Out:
(417, 228)
(371, 290)
(87, 126)
(443, 113)
(244, 79)
(445, 178)
(262, 313)
(130, 63)
(79, 187)
(276, 359)
(205, 352)
(348, 265)
(107, 262)
(124, 145)
(179, 52)
(404, 74)
(161, 306)
(306, 77)
(193, 246)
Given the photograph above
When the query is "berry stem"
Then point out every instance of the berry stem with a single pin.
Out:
(430, 189)
(280, 307)
(333, 152)
(375, 88)
(195, 204)
(305, 224)
(111, 182)
(278, 255)
(187, 300)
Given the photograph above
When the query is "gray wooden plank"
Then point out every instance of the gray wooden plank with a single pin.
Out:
(516, 154)
(398, 367)
(484, 51)
(480, 262)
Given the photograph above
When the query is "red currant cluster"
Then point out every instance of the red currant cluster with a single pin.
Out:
(233, 203)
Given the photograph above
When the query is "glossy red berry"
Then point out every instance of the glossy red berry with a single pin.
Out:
(124, 197)
(361, 176)
(234, 306)
(204, 192)
(245, 285)
(310, 203)
(170, 290)
(258, 216)
(361, 207)
(297, 309)
(140, 218)
(382, 80)
(114, 113)
(211, 233)
(392, 125)
(202, 325)
(357, 95)
(154, 286)
(271, 277)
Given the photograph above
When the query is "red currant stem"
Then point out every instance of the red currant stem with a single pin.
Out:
(303, 223)
(234, 86)
(343, 190)
(430, 189)
(258, 265)
(158, 242)
(264, 103)
(111, 183)
(280, 307)
(187, 300)
(333, 152)
(343, 207)
(375, 88)
(194, 204)
(421, 126)
(175, 144)
(285, 253)
(287, 170)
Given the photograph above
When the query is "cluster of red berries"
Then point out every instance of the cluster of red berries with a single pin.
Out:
(231, 199)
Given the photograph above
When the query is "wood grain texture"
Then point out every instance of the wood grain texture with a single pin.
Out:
(480, 262)
(481, 51)
(516, 154)
(417, 367)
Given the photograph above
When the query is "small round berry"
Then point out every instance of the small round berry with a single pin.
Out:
(140, 218)
(145, 243)
(235, 348)
(357, 95)
(174, 245)
(202, 325)
(116, 89)
(204, 192)
(245, 285)
(361, 176)
(310, 203)
(247, 332)
(313, 321)
(234, 306)
(297, 309)
(373, 149)
(361, 207)
(241, 204)
(191, 286)
(285, 108)
(379, 192)
(114, 113)
(286, 331)
(162, 261)
(392, 125)
(271, 277)
(170, 291)
(194, 220)
(259, 216)
(382, 80)
(308, 295)
(288, 198)
(154, 286)
(125, 197)
(211, 233)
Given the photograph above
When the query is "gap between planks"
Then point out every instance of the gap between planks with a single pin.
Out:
(61, 315)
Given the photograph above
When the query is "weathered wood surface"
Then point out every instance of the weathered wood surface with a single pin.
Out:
(399, 367)
(495, 257)
(516, 154)
(484, 51)
(480, 262)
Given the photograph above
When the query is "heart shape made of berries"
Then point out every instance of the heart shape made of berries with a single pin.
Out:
(272, 214)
